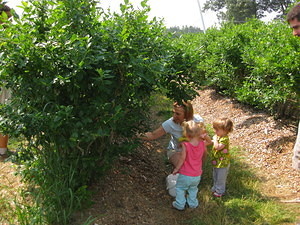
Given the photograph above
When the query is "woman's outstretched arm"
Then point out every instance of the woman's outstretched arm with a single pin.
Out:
(149, 136)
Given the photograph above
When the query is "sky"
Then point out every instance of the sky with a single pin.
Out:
(173, 12)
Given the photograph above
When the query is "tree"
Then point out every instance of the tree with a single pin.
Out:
(239, 11)
(177, 31)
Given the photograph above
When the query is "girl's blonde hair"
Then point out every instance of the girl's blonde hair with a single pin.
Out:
(187, 107)
(224, 124)
(191, 129)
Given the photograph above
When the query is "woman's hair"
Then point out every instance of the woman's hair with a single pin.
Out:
(187, 107)
(4, 12)
(4, 8)
(224, 124)
(191, 129)
(294, 13)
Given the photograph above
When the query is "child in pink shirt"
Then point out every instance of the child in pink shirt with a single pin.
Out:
(189, 166)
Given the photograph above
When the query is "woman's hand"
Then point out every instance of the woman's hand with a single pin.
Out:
(149, 136)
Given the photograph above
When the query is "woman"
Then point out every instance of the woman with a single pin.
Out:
(181, 112)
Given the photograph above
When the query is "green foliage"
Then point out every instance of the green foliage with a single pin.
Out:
(177, 31)
(182, 74)
(254, 62)
(221, 59)
(81, 80)
(58, 193)
(239, 11)
(271, 57)
(191, 53)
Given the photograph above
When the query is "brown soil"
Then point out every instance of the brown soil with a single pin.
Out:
(134, 191)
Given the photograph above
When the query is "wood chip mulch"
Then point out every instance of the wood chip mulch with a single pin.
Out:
(267, 143)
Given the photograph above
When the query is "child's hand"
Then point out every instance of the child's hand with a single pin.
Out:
(175, 171)
(206, 139)
(203, 135)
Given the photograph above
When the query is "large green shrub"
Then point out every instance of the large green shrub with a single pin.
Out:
(190, 48)
(222, 57)
(81, 80)
(254, 62)
(271, 56)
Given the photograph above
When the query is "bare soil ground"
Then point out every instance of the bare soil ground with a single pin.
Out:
(134, 191)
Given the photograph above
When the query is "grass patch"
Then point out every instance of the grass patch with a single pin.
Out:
(243, 203)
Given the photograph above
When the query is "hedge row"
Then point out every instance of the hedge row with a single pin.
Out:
(256, 63)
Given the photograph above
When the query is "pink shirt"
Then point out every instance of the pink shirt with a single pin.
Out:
(192, 165)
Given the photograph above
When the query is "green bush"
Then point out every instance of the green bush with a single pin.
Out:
(81, 80)
(271, 56)
(222, 57)
(253, 62)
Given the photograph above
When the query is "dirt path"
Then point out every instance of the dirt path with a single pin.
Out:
(134, 191)
(268, 143)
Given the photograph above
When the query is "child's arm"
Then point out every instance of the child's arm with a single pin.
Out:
(206, 138)
(181, 160)
(218, 146)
